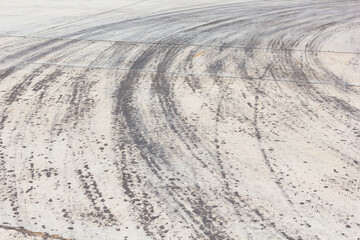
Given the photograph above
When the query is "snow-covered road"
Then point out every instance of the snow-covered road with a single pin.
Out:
(183, 119)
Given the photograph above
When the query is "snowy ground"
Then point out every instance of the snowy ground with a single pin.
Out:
(200, 119)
